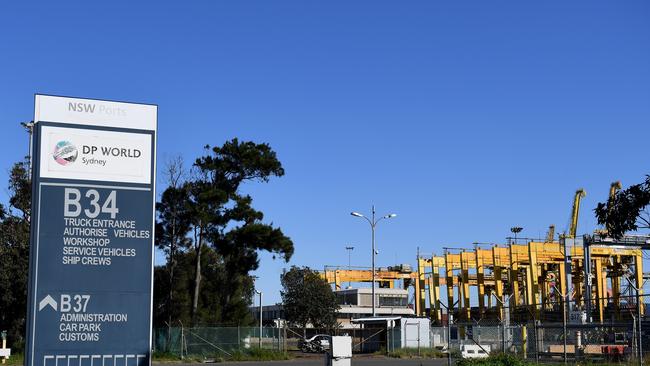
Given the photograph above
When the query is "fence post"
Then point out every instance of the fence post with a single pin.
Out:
(503, 337)
(449, 322)
(536, 334)
(638, 311)
(387, 340)
(418, 339)
(182, 339)
(524, 341)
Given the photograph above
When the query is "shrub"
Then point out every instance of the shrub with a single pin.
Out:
(500, 359)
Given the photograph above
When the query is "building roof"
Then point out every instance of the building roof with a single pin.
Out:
(376, 319)
(379, 291)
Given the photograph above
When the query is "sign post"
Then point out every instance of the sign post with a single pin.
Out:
(91, 241)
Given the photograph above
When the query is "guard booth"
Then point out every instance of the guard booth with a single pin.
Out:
(393, 332)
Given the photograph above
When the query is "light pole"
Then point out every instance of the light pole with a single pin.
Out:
(29, 126)
(505, 319)
(565, 300)
(516, 230)
(450, 319)
(260, 338)
(373, 224)
(349, 249)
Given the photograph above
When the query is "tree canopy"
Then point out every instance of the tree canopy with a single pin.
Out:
(219, 234)
(626, 211)
(14, 254)
(308, 299)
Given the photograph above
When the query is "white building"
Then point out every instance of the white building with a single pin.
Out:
(355, 303)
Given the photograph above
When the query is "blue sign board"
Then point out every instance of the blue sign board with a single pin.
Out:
(91, 254)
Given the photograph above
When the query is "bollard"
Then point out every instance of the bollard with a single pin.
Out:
(578, 348)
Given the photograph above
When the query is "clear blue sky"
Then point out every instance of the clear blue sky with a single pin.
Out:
(463, 117)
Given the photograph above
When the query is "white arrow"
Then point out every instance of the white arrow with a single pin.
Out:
(47, 300)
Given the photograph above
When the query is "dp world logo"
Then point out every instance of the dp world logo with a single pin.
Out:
(65, 153)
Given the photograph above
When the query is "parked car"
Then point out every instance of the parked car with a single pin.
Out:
(316, 344)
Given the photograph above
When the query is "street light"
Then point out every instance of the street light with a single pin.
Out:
(373, 224)
(505, 318)
(29, 126)
(260, 340)
(349, 249)
(515, 230)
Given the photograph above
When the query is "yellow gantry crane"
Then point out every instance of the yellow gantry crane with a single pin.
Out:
(522, 279)
(580, 194)
(386, 278)
(532, 275)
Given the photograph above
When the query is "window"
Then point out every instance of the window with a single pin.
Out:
(365, 299)
(393, 300)
(347, 298)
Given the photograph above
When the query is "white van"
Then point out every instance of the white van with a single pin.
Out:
(474, 351)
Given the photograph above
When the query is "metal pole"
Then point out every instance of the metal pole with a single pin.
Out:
(349, 258)
(565, 300)
(564, 326)
(260, 340)
(373, 260)
(505, 319)
(503, 337)
(387, 339)
(536, 344)
(588, 280)
(373, 223)
(638, 305)
(418, 339)
(450, 318)
(349, 249)
(30, 130)
(638, 312)
(638, 315)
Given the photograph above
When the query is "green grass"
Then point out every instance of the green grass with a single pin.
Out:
(159, 356)
(15, 359)
(495, 360)
(257, 354)
(413, 353)
(253, 354)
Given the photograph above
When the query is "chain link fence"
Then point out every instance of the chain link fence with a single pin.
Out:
(208, 342)
(571, 333)
(548, 342)
(576, 334)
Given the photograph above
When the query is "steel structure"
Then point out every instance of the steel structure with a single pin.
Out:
(594, 275)
(385, 277)
(531, 275)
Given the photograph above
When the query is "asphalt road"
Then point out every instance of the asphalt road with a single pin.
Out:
(365, 361)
